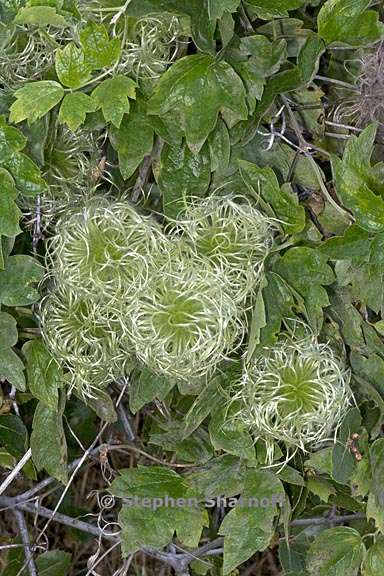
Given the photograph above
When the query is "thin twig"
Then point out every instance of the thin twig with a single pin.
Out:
(326, 520)
(125, 423)
(50, 480)
(305, 147)
(145, 169)
(29, 561)
(82, 460)
(337, 82)
(7, 502)
(12, 475)
(124, 447)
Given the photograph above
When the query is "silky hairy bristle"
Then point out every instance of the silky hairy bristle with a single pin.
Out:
(297, 393)
(184, 323)
(105, 249)
(233, 236)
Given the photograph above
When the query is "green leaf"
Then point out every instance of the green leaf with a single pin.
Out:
(132, 141)
(257, 323)
(337, 551)
(309, 57)
(34, 100)
(43, 372)
(26, 174)
(354, 244)
(377, 466)
(40, 16)
(100, 51)
(48, 445)
(162, 508)
(349, 22)
(278, 303)
(18, 279)
(367, 286)
(291, 476)
(321, 488)
(74, 109)
(217, 8)
(146, 386)
(196, 88)
(343, 464)
(8, 330)
(9, 211)
(249, 529)
(112, 95)
(11, 140)
(13, 435)
(374, 561)
(229, 435)
(302, 265)
(11, 367)
(53, 563)
(267, 9)
(359, 187)
(102, 404)
(220, 148)
(145, 527)
(284, 203)
(148, 481)
(321, 461)
(221, 476)
(205, 402)
(71, 66)
(196, 448)
(182, 175)
(375, 512)
(189, 524)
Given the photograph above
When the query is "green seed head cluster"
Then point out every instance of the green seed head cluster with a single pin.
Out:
(234, 237)
(186, 322)
(152, 46)
(99, 260)
(105, 249)
(297, 393)
(27, 54)
(123, 289)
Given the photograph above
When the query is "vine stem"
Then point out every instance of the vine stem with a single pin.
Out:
(324, 520)
(337, 82)
(305, 147)
(29, 561)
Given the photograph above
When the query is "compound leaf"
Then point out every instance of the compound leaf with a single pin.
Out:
(34, 100)
(112, 95)
(338, 551)
(196, 88)
(132, 140)
(248, 529)
(48, 445)
(74, 109)
(18, 280)
(99, 50)
(11, 367)
(71, 66)
(43, 373)
(349, 22)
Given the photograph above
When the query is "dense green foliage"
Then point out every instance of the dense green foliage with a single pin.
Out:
(192, 286)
